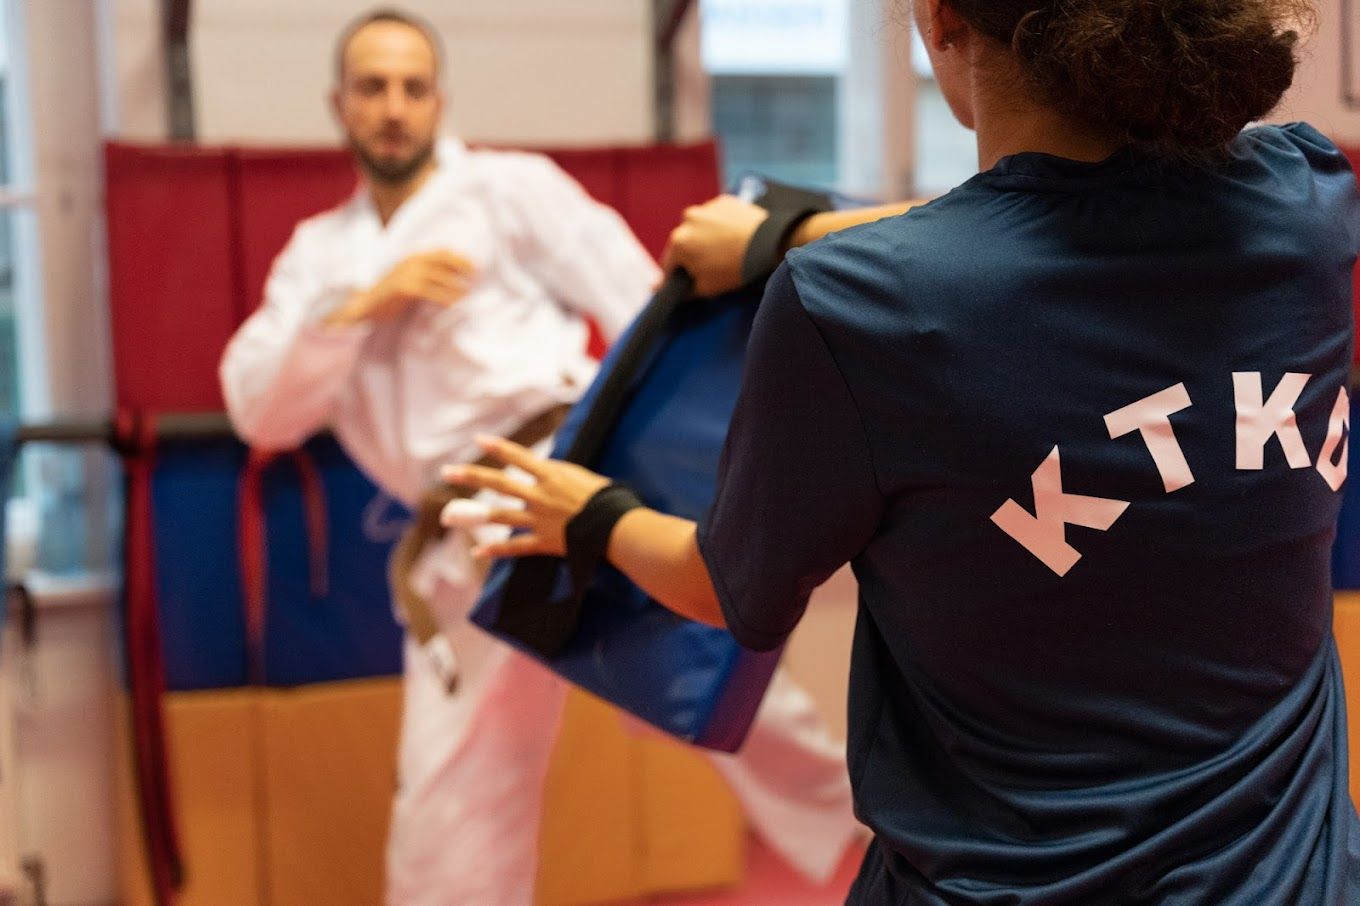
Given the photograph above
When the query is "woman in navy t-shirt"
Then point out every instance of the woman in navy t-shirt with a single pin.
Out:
(1081, 427)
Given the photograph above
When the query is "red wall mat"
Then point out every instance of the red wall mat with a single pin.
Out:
(275, 190)
(194, 231)
(171, 274)
(598, 170)
(659, 182)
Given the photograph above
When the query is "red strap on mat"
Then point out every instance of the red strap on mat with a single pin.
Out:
(146, 664)
(253, 545)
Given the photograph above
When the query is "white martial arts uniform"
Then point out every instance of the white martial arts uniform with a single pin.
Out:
(407, 396)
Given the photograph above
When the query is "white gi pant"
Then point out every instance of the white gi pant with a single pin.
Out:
(471, 768)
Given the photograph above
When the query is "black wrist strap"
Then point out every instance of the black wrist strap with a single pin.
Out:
(589, 530)
(766, 248)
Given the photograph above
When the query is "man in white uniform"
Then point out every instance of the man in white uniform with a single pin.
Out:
(444, 300)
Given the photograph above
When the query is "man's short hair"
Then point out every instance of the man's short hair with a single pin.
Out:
(387, 14)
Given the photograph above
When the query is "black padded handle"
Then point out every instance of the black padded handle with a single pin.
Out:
(527, 611)
(618, 384)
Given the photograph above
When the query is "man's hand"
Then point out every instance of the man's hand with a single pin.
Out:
(711, 242)
(442, 277)
(560, 490)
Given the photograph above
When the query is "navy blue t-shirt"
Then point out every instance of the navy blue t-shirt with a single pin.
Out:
(1080, 429)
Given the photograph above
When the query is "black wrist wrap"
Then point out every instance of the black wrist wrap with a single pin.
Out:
(589, 530)
(766, 248)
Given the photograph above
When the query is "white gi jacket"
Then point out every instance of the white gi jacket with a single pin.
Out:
(407, 396)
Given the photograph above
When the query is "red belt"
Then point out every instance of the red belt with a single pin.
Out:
(136, 433)
(253, 545)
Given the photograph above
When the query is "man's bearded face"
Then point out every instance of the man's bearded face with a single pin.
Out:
(388, 100)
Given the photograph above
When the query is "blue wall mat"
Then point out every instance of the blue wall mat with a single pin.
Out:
(349, 633)
(198, 579)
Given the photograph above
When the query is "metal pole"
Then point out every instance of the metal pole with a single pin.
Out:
(663, 77)
(1350, 64)
(179, 88)
(171, 426)
(668, 15)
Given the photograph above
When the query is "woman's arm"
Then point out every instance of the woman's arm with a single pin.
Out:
(658, 552)
(711, 241)
(819, 225)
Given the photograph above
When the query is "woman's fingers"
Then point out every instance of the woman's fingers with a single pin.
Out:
(519, 546)
(512, 518)
(553, 493)
(512, 454)
(463, 513)
(489, 479)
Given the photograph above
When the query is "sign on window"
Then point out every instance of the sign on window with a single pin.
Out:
(775, 37)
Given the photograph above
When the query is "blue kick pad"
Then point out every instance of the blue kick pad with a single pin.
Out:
(690, 680)
(1346, 550)
(350, 633)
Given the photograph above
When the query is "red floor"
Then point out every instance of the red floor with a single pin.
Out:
(770, 881)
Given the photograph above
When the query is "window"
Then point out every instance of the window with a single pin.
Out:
(782, 126)
(62, 509)
(18, 236)
(779, 72)
(831, 93)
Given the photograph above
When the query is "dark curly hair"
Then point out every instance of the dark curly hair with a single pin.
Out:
(1178, 77)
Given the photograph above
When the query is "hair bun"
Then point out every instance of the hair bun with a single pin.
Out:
(1179, 76)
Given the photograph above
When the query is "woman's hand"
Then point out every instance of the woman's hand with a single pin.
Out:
(711, 242)
(658, 552)
(559, 491)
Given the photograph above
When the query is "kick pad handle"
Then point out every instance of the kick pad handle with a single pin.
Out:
(789, 206)
(528, 610)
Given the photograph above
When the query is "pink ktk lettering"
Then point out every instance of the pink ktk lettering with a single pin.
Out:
(1258, 419)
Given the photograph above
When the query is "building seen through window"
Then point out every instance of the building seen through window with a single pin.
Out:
(62, 498)
(775, 66)
(16, 204)
(801, 90)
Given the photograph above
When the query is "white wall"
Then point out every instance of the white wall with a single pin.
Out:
(1316, 96)
(59, 702)
(519, 71)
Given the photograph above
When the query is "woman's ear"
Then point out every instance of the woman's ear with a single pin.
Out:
(942, 28)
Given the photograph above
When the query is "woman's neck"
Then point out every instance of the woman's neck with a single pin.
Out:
(1010, 123)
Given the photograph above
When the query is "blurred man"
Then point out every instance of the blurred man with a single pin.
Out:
(448, 298)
